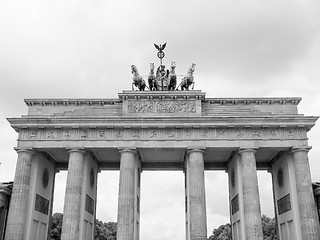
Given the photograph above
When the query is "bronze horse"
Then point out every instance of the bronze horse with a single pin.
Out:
(172, 77)
(153, 85)
(188, 80)
(137, 79)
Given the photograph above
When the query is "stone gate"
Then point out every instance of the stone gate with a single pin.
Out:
(180, 130)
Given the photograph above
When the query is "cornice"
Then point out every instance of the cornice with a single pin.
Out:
(71, 101)
(160, 95)
(255, 100)
(161, 122)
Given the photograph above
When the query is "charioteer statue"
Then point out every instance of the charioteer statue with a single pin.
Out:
(164, 79)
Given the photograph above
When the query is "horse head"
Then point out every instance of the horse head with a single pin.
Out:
(134, 70)
(173, 66)
(151, 68)
(192, 68)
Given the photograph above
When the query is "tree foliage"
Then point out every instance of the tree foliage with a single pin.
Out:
(269, 229)
(56, 226)
(102, 230)
(223, 232)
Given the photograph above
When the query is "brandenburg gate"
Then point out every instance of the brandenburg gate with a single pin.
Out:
(152, 130)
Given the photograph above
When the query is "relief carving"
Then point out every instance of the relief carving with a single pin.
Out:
(84, 134)
(162, 134)
(33, 134)
(153, 134)
(119, 134)
(162, 107)
(50, 134)
(239, 133)
(170, 134)
(67, 134)
(101, 134)
(136, 134)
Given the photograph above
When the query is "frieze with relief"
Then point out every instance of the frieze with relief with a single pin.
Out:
(158, 134)
(178, 106)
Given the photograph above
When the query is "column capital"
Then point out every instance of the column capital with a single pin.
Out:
(247, 149)
(300, 149)
(27, 150)
(79, 150)
(123, 150)
(195, 149)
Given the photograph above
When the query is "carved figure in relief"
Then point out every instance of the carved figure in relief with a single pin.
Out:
(172, 77)
(50, 134)
(170, 134)
(119, 134)
(189, 79)
(84, 134)
(153, 85)
(154, 134)
(138, 81)
(136, 134)
(33, 134)
(67, 133)
(101, 134)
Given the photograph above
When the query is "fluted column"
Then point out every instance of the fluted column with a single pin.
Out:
(125, 223)
(307, 208)
(72, 202)
(196, 198)
(251, 201)
(19, 199)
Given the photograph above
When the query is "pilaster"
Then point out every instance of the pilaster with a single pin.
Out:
(307, 208)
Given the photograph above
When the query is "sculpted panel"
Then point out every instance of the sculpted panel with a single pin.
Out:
(162, 106)
(159, 134)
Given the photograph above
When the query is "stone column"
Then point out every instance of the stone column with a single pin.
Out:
(196, 198)
(251, 201)
(307, 208)
(126, 200)
(20, 193)
(72, 202)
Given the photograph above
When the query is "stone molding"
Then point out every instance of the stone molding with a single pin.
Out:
(247, 149)
(79, 150)
(301, 149)
(27, 150)
(124, 150)
(196, 149)
(160, 95)
(157, 134)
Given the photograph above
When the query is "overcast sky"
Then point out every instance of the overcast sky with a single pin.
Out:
(84, 49)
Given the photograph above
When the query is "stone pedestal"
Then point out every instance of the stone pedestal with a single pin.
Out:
(251, 201)
(307, 209)
(196, 222)
(129, 196)
(19, 200)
